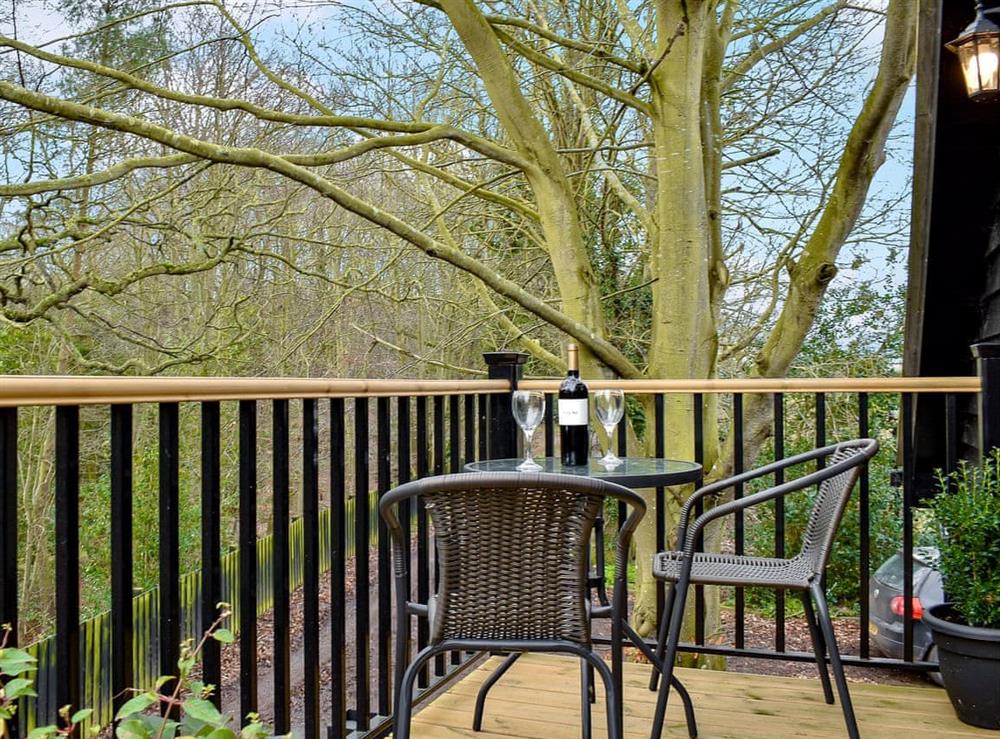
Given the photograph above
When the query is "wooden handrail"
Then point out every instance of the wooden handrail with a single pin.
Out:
(57, 390)
(779, 385)
(25, 390)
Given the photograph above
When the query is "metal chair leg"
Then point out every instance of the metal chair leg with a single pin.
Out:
(670, 655)
(835, 664)
(819, 646)
(612, 696)
(676, 684)
(661, 635)
(404, 697)
(477, 718)
(586, 691)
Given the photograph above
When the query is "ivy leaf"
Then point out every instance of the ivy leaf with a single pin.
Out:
(224, 635)
(138, 704)
(82, 714)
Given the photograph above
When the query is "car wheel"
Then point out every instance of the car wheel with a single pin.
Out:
(934, 676)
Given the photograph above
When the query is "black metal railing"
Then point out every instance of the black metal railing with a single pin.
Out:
(414, 429)
(422, 428)
(903, 392)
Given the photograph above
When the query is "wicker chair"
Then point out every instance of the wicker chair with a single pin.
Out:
(802, 573)
(513, 557)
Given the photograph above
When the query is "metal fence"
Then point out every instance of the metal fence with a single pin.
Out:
(416, 428)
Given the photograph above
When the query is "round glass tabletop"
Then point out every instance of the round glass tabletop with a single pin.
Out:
(634, 472)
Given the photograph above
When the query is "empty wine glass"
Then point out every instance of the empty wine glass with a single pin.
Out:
(610, 406)
(528, 407)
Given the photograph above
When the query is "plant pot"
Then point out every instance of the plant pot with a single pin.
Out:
(970, 666)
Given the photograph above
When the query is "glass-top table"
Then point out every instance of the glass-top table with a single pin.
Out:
(633, 472)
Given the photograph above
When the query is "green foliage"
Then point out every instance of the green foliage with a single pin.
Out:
(192, 712)
(16, 666)
(968, 512)
(197, 715)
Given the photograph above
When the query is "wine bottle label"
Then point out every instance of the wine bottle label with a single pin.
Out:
(573, 412)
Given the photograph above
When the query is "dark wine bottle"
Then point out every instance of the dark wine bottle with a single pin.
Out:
(574, 414)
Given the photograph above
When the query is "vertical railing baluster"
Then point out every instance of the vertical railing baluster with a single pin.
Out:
(699, 508)
(907, 443)
(439, 660)
(248, 556)
(659, 441)
(281, 642)
(169, 601)
(779, 519)
(454, 441)
(338, 571)
(951, 432)
(405, 471)
(738, 524)
(622, 452)
(121, 555)
(310, 562)
(481, 407)
(864, 532)
(469, 420)
(67, 504)
(820, 402)
(384, 671)
(454, 463)
(211, 543)
(820, 427)
(423, 548)
(362, 537)
(550, 426)
(8, 523)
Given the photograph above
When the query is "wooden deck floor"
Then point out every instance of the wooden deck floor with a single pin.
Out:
(539, 699)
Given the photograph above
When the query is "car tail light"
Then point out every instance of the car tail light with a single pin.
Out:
(897, 603)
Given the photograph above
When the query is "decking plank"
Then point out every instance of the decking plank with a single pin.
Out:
(539, 699)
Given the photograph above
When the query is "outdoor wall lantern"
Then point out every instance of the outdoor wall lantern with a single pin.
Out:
(978, 49)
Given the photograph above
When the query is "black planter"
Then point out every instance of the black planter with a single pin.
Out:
(970, 666)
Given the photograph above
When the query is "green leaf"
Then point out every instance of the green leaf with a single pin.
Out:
(224, 635)
(15, 661)
(40, 732)
(223, 733)
(18, 687)
(203, 710)
(138, 704)
(163, 680)
(132, 729)
(81, 715)
(255, 730)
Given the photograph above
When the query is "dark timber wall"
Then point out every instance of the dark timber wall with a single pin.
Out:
(954, 269)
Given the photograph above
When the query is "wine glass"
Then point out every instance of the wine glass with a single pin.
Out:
(610, 406)
(528, 407)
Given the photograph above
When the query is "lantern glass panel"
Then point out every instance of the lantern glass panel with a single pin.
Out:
(980, 58)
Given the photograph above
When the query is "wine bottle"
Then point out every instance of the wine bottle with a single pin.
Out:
(574, 414)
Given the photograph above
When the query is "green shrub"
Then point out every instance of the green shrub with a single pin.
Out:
(967, 511)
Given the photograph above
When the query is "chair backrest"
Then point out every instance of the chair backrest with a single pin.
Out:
(843, 466)
(513, 552)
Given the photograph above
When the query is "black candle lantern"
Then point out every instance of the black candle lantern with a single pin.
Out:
(978, 49)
